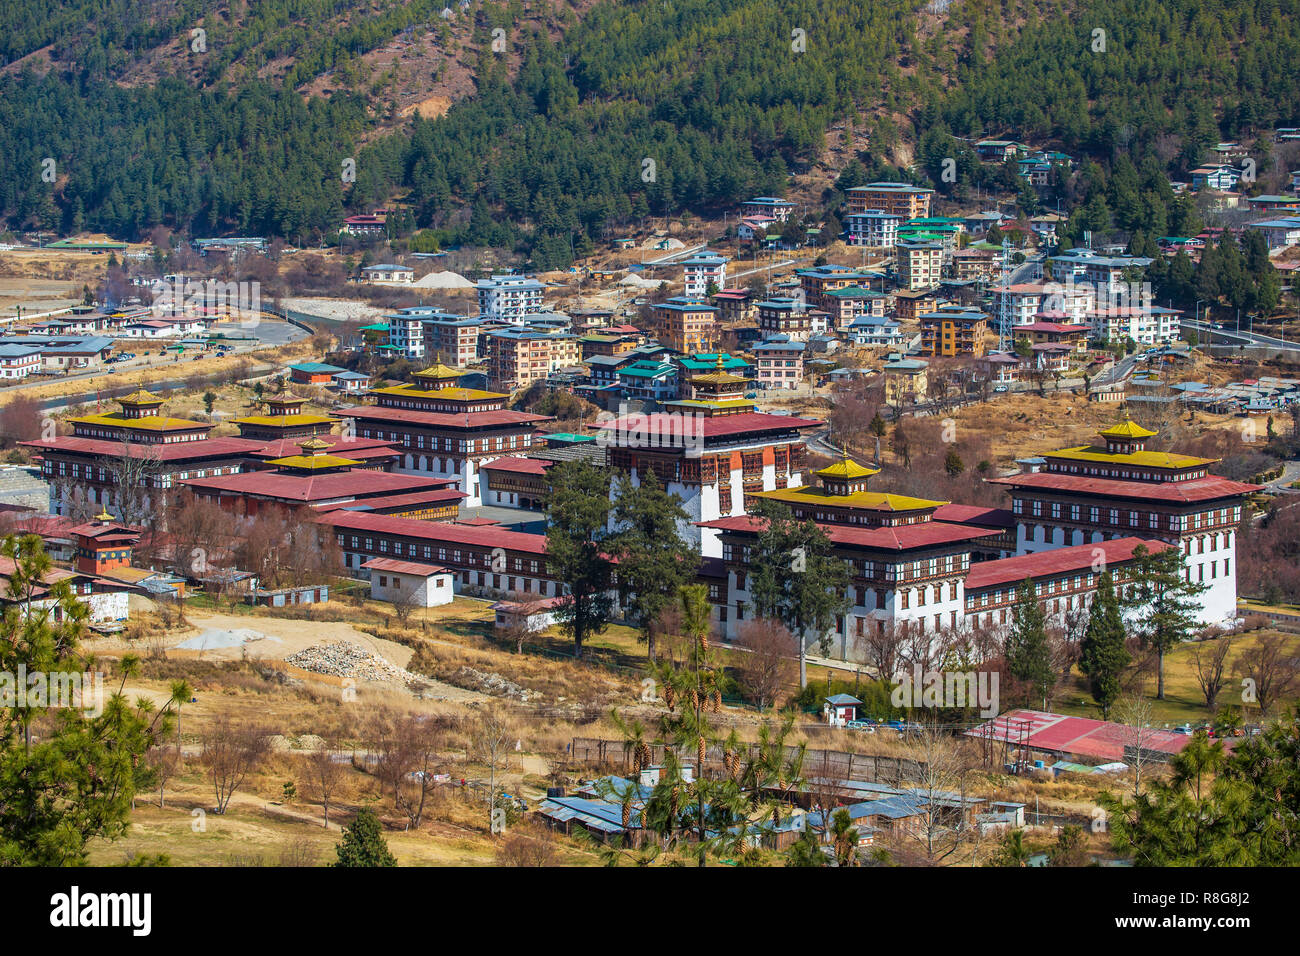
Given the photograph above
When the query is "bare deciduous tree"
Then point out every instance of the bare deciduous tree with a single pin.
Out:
(528, 845)
(231, 752)
(325, 773)
(408, 751)
(1273, 669)
(491, 746)
(767, 661)
(1210, 660)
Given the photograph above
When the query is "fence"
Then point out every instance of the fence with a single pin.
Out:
(611, 754)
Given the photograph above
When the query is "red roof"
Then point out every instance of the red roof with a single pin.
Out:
(1077, 736)
(405, 567)
(1181, 492)
(667, 425)
(442, 419)
(975, 514)
(163, 451)
(358, 449)
(430, 496)
(354, 484)
(1056, 562)
(897, 538)
(108, 530)
(1059, 327)
(517, 465)
(437, 532)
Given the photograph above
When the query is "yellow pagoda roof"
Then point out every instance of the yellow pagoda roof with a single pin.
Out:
(1142, 459)
(103, 515)
(154, 423)
(847, 470)
(140, 397)
(859, 500)
(285, 399)
(439, 373)
(450, 393)
(1127, 429)
(288, 421)
(313, 462)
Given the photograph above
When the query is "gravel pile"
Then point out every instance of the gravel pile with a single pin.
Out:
(493, 684)
(348, 659)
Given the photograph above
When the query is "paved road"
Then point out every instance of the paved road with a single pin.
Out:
(1234, 337)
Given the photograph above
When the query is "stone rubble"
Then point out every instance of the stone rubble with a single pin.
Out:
(349, 659)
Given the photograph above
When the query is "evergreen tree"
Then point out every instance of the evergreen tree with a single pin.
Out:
(1102, 655)
(1028, 656)
(1163, 602)
(577, 528)
(363, 843)
(654, 562)
(796, 578)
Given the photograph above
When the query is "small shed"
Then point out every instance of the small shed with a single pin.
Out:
(839, 709)
(533, 615)
(410, 582)
(286, 597)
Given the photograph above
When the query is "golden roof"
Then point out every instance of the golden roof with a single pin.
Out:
(438, 373)
(313, 462)
(847, 470)
(313, 444)
(140, 397)
(1127, 429)
(1142, 459)
(153, 423)
(287, 421)
(859, 500)
(103, 515)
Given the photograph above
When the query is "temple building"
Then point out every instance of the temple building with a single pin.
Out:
(713, 454)
(284, 419)
(319, 478)
(444, 429)
(1117, 489)
(907, 566)
(918, 567)
(151, 450)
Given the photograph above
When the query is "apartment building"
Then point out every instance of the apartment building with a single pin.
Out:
(909, 202)
(509, 298)
(920, 265)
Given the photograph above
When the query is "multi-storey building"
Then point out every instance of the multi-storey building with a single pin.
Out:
(875, 229)
(684, 323)
(953, 330)
(1117, 489)
(704, 273)
(790, 317)
(850, 303)
(319, 478)
(920, 265)
(519, 357)
(906, 566)
(909, 202)
(713, 456)
(284, 419)
(485, 559)
(816, 283)
(443, 429)
(1104, 272)
(735, 306)
(509, 298)
(1145, 325)
(128, 461)
(1027, 300)
(768, 206)
(779, 362)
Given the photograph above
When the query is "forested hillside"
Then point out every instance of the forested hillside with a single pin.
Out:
(724, 97)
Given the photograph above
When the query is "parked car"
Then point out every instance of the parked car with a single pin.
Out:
(1000, 388)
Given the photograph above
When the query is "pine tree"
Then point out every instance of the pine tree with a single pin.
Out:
(1028, 656)
(1163, 602)
(1102, 655)
(363, 843)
